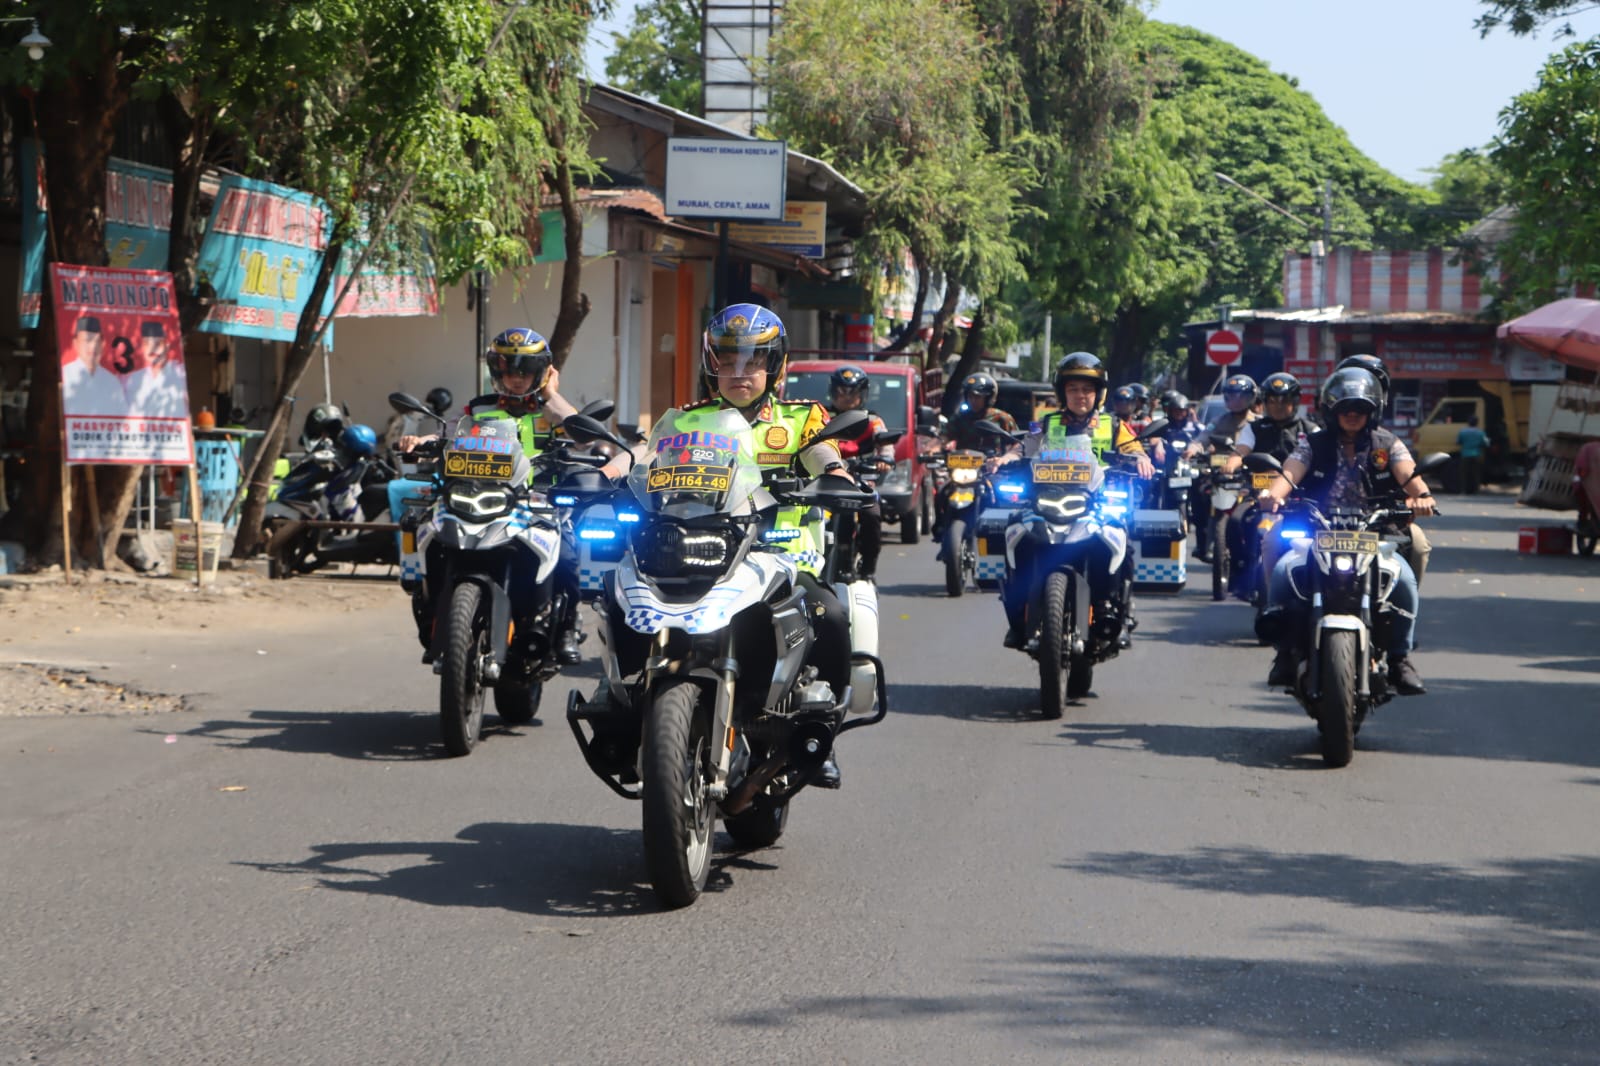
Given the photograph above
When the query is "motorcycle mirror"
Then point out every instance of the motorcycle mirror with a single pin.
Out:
(983, 425)
(406, 403)
(586, 430)
(1221, 442)
(599, 410)
(1261, 463)
(1154, 429)
(842, 425)
(883, 440)
(1432, 461)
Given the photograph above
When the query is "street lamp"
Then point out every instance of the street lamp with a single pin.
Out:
(35, 42)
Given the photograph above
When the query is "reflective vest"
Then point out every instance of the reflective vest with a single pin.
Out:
(1102, 432)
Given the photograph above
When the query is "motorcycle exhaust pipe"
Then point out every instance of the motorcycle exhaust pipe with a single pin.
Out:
(809, 745)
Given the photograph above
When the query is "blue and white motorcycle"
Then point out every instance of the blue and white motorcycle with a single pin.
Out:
(708, 708)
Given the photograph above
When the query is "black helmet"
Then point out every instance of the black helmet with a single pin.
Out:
(1351, 389)
(323, 420)
(1141, 394)
(1372, 365)
(1240, 385)
(1281, 386)
(1081, 366)
(439, 400)
(849, 379)
(980, 385)
(1172, 398)
(1124, 394)
(518, 350)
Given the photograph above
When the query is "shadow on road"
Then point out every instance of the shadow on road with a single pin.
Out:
(381, 736)
(531, 868)
(1267, 749)
(969, 703)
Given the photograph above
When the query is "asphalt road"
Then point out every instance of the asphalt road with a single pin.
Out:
(1166, 875)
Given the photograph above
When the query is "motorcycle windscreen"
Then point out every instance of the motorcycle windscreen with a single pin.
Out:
(487, 449)
(700, 462)
(1065, 469)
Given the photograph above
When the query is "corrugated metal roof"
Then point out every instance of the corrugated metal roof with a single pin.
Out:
(1340, 316)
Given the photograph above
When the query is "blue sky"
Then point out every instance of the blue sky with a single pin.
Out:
(1409, 80)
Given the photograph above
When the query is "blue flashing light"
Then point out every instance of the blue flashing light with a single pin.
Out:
(781, 536)
(597, 533)
(1011, 488)
(1113, 509)
(628, 516)
(564, 500)
(1293, 534)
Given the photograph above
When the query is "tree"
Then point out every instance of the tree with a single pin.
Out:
(1549, 138)
(1523, 17)
(659, 54)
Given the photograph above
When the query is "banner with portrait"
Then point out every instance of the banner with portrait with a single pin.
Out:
(124, 389)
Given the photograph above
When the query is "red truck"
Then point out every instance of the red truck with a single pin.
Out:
(896, 396)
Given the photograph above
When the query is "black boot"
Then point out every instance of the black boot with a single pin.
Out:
(1284, 668)
(567, 653)
(1404, 677)
(827, 775)
(1014, 637)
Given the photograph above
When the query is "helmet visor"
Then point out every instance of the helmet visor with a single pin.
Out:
(732, 357)
(500, 363)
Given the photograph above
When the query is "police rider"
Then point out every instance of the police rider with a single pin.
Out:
(1239, 396)
(1276, 433)
(1080, 387)
(1342, 466)
(744, 351)
(847, 391)
(978, 394)
(522, 371)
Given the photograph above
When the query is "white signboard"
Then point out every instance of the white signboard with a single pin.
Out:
(1523, 365)
(710, 177)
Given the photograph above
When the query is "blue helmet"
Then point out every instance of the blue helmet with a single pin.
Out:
(518, 350)
(359, 440)
(746, 338)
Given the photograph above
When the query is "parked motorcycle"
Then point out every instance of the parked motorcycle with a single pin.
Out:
(708, 708)
(1351, 571)
(485, 600)
(343, 481)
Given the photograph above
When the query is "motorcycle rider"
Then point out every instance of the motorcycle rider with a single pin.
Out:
(744, 351)
(1343, 466)
(1276, 433)
(522, 371)
(978, 394)
(1080, 387)
(1418, 548)
(847, 391)
(1125, 403)
(1239, 395)
(1143, 407)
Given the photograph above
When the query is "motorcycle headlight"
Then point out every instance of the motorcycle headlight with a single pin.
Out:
(963, 477)
(479, 504)
(666, 549)
(1344, 563)
(1063, 508)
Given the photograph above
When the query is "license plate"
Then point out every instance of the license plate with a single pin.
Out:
(478, 465)
(964, 462)
(1262, 481)
(1218, 461)
(693, 478)
(962, 497)
(1063, 473)
(1365, 543)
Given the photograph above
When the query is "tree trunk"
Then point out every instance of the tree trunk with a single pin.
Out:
(574, 302)
(971, 353)
(937, 342)
(907, 332)
(247, 540)
(77, 118)
(187, 137)
(1123, 361)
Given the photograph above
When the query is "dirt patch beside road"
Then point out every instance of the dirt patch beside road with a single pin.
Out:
(49, 629)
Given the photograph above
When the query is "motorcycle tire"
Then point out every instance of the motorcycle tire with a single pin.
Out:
(461, 692)
(1336, 712)
(518, 704)
(759, 825)
(955, 543)
(679, 815)
(1586, 541)
(1219, 559)
(925, 515)
(1055, 657)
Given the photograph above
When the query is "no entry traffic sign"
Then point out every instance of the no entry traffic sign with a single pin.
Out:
(1223, 347)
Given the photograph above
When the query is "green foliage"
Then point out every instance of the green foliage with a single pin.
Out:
(1550, 137)
(1469, 184)
(1523, 17)
(659, 54)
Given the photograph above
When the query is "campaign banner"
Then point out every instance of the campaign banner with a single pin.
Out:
(138, 223)
(384, 292)
(124, 389)
(260, 255)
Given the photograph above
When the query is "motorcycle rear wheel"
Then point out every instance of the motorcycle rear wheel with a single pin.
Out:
(759, 825)
(955, 543)
(1055, 657)
(518, 704)
(1336, 711)
(1219, 558)
(460, 687)
(679, 816)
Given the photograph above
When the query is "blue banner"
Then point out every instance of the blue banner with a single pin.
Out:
(261, 253)
(138, 223)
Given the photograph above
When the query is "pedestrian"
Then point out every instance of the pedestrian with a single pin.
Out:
(1474, 443)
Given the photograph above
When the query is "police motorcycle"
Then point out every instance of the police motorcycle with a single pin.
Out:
(1352, 567)
(332, 507)
(481, 568)
(960, 501)
(1068, 502)
(1225, 491)
(708, 709)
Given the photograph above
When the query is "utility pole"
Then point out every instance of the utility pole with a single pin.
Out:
(1045, 369)
(1327, 262)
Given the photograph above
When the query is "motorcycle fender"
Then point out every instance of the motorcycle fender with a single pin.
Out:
(282, 509)
(499, 618)
(1014, 535)
(1115, 538)
(546, 544)
(1349, 623)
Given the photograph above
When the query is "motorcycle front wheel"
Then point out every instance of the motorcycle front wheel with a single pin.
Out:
(1219, 558)
(518, 704)
(466, 641)
(679, 817)
(955, 543)
(1336, 711)
(1055, 655)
